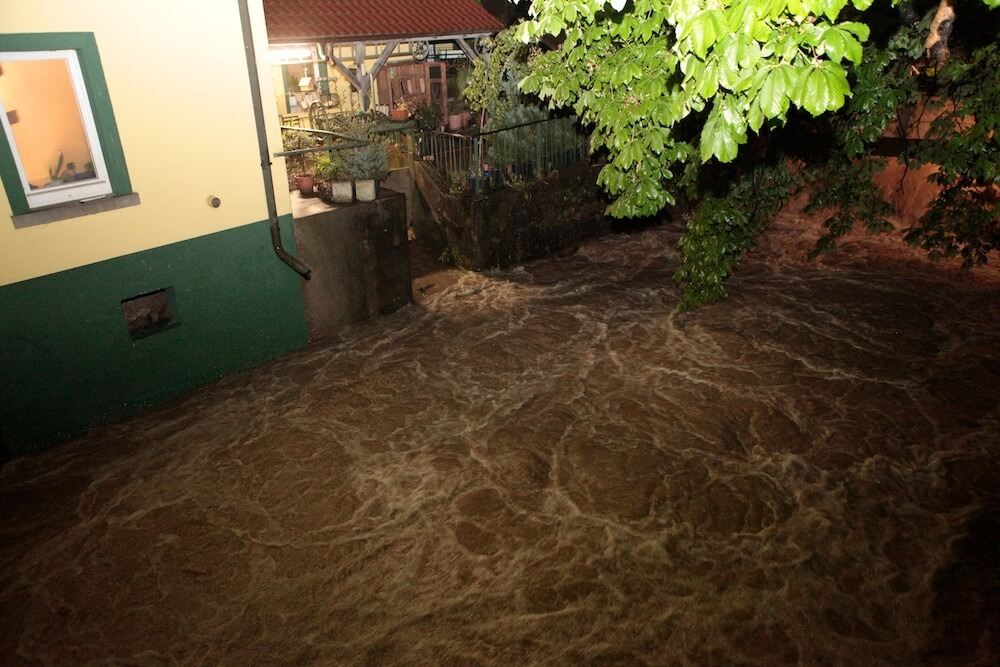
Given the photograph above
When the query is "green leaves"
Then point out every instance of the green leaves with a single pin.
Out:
(821, 88)
(703, 30)
(831, 8)
(839, 44)
(773, 96)
(724, 131)
(724, 228)
(742, 64)
(642, 72)
(708, 86)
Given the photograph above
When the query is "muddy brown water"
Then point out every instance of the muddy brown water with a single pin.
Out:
(550, 466)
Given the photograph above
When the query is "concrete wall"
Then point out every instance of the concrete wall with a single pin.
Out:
(358, 254)
(507, 226)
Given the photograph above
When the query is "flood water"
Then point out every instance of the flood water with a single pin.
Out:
(551, 466)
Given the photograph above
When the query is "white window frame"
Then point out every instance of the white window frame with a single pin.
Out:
(77, 190)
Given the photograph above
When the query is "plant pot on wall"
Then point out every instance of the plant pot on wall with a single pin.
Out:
(366, 164)
(341, 192)
(455, 122)
(399, 115)
(366, 189)
(305, 184)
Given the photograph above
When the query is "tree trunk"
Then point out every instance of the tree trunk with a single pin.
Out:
(936, 43)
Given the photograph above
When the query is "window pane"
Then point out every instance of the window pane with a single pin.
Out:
(45, 122)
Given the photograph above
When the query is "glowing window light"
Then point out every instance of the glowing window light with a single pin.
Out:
(290, 54)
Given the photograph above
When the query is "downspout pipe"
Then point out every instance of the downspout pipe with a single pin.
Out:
(265, 157)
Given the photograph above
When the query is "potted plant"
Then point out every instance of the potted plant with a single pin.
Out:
(400, 112)
(427, 116)
(330, 168)
(300, 166)
(456, 119)
(366, 164)
(59, 175)
(87, 173)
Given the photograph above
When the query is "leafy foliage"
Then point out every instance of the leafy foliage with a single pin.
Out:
(358, 153)
(294, 140)
(639, 71)
(370, 161)
(330, 167)
(427, 116)
(724, 228)
(492, 87)
(516, 144)
(848, 188)
(840, 180)
(963, 143)
(964, 97)
(671, 87)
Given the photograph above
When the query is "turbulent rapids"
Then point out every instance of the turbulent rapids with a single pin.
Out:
(551, 466)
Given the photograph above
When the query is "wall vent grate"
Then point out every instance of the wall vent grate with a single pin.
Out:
(150, 313)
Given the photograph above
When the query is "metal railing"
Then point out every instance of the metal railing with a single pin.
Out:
(504, 156)
(494, 158)
(398, 136)
(331, 141)
(451, 155)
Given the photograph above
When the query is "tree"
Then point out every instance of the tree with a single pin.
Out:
(669, 86)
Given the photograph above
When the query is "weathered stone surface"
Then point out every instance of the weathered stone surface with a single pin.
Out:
(504, 226)
(359, 261)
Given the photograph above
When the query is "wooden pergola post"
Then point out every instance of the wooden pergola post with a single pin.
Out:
(360, 79)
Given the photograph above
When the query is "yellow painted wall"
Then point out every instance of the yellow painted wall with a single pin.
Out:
(176, 73)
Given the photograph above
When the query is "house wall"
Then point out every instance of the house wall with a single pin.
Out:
(177, 78)
(176, 73)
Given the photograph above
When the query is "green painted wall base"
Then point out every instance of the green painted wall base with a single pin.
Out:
(68, 362)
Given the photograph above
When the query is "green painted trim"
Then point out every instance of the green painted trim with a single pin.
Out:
(68, 362)
(11, 179)
(85, 45)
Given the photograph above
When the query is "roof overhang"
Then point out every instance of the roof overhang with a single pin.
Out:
(368, 39)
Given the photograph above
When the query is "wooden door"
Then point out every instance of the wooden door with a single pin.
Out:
(407, 81)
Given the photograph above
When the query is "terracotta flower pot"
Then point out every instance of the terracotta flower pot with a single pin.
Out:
(305, 183)
(399, 115)
(455, 122)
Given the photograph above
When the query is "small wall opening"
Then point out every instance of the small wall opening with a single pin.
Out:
(150, 313)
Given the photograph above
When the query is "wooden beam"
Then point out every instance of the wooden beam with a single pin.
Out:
(360, 52)
(339, 65)
(383, 57)
(470, 52)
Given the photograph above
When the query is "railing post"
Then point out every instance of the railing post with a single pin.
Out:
(476, 168)
(539, 153)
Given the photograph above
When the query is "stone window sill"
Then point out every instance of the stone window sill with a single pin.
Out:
(75, 209)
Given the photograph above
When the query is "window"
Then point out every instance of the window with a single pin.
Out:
(59, 141)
